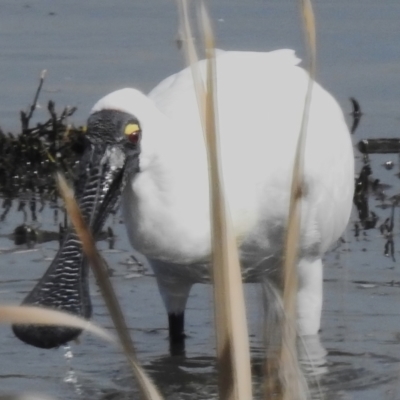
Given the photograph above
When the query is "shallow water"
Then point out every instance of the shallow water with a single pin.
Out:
(90, 48)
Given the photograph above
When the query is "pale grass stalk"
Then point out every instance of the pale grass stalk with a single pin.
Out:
(192, 58)
(291, 379)
(147, 388)
(26, 396)
(234, 372)
(230, 314)
(45, 316)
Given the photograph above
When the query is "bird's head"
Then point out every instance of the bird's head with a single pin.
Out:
(114, 138)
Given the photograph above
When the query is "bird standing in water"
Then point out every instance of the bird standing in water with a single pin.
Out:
(151, 151)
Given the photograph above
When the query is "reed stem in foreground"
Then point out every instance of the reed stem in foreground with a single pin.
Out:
(234, 372)
(147, 389)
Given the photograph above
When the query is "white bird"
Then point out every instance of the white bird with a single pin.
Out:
(154, 147)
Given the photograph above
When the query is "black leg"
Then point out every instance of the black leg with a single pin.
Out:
(177, 335)
(176, 327)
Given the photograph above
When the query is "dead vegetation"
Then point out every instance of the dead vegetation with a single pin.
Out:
(30, 158)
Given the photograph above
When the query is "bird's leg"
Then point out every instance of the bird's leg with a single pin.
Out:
(309, 297)
(311, 353)
(176, 324)
(174, 290)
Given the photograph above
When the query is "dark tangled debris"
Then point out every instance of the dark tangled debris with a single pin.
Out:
(356, 114)
(387, 231)
(368, 219)
(29, 159)
(365, 185)
(379, 146)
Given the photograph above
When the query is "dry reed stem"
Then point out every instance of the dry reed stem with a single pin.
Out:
(230, 314)
(147, 388)
(234, 372)
(26, 396)
(291, 380)
(46, 316)
(192, 59)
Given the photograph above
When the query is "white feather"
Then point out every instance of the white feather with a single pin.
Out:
(260, 105)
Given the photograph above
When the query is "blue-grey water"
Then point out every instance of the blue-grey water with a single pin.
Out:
(93, 47)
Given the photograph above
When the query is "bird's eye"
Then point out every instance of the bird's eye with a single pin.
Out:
(132, 132)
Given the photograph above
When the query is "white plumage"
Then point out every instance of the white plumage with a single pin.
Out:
(260, 105)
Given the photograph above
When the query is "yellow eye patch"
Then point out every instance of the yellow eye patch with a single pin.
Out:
(131, 129)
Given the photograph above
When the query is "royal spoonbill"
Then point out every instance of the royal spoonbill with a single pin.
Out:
(150, 150)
